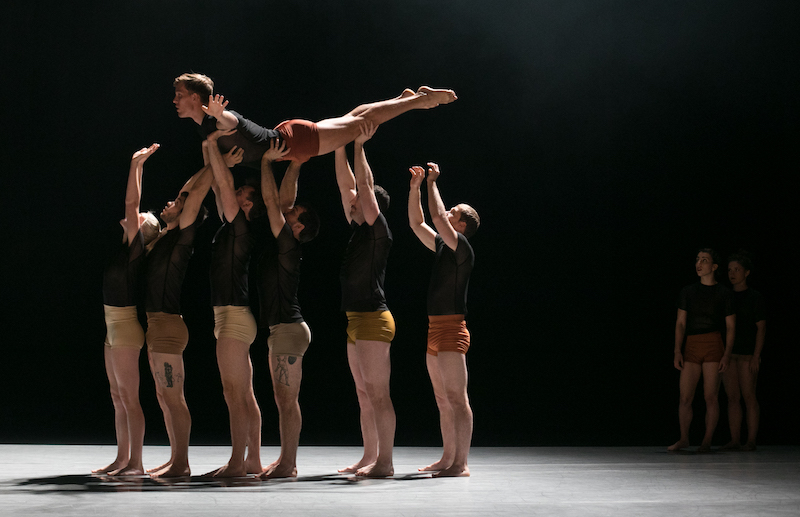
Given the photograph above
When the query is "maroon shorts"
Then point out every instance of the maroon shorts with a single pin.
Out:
(704, 348)
(447, 333)
(302, 137)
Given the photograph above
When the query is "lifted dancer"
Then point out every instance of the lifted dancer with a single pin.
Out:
(279, 277)
(124, 334)
(448, 337)
(194, 99)
(370, 327)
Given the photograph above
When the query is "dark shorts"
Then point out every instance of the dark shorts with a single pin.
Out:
(166, 333)
(447, 333)
(302, 137)
(704, 348)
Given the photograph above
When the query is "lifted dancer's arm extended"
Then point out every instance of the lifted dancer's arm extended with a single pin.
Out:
(216, 108)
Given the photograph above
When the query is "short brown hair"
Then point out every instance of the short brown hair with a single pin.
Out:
(200, 84)
(471, 218)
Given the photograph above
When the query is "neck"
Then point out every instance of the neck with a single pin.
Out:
(708, 279)
(198, 117)
(740, 287)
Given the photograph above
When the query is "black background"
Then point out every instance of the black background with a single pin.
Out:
(602, 142)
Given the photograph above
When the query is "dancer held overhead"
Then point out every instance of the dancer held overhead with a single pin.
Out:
(195, 99)
(124, 334)
(290, 225)
(448, 337)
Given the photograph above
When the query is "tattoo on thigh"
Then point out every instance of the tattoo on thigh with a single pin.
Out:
(168, 374)
(281, 370)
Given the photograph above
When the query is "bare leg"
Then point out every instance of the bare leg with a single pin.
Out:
(170, 377)
(233, 359)
(730, 379)
(747, 382)
(337, 132)
(445, 416)
(120, 419)
(690, 375)
(167, 420)
(711, 395)
(252, 462)
(453, 369)
(375, 364)
(287, 373)
(369, 433)
(125, 361)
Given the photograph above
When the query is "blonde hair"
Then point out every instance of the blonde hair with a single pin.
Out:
(196, 83)
(150, 227)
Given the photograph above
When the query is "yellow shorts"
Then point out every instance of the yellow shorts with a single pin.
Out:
(447, 333)
(370, 326)
(122, 327)
(166, 333)
(289, 339)
(236, 322)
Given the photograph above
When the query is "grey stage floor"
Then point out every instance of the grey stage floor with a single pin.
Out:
(559, 481)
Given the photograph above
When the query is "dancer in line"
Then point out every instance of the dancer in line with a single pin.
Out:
(290, 225)
(448, 337)
(742, 374)
(194, 99)
(370, 327)
(705, 310)
(234, 325)
(167, 335)
(124, 334)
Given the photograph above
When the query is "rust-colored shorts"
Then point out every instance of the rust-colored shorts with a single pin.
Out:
(235, 322)
(447, 333)
(370, 326)
(123, 328)
(302, 137)
(704, 348)
(166, 333)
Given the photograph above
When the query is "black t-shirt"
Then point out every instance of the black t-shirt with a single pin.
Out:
(230, 262)
(122, 277)
(706, 307)
(251, 137)
(364, 267)
(166, 267)
(447, 292)
(279, 278)
(750, 309)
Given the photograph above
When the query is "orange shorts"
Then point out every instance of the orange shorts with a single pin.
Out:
(302, 137)
(447, 333)
(704, 348)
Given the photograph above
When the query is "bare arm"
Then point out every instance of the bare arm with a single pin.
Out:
(216, 108)
(365, 184)
(214, 186)
(438, 211)
(269, 189)
(133, 193)
(761, 334)
(222, 177)
(197, 187)
(346, 181)
(288, 190)
(680, 332)
(730, 335)
(416, 218)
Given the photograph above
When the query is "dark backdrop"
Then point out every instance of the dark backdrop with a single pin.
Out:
(602, 142)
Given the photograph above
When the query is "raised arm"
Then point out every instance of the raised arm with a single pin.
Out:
(288, 189)
(216, 108)
(133, 193)
(222, 177)
(346, 181)
(214, 186)
(197, 188)
(269, 189)
(365, 184)
(438, 212)
(416, 218)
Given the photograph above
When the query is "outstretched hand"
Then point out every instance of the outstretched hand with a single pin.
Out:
(367, 130)
(144, 153)
(417, 176)
(234, 156)
(216, 106)
(275, 151)
(219, 133)
(433, 171)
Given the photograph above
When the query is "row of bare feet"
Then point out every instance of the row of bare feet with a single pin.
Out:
(706, 447)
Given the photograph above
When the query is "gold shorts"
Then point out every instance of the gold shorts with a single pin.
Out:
(370, 326)
(236, 322)
(447, 333)
(289, 338)
(704, 348)
(122, 327)
(166, 333)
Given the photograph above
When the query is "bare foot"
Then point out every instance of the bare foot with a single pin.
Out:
(408, 92)
(253, 466)
(437, 96)
(173, 472)
(118, 464)
(706, 447)
(376, 471)
(279, 471)
(749, 447)
(452, 472)
(355, 466)
(130, 471)
(439, 465)
(680, 444)
(160, 467)
(731, 446)
(226, 471)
